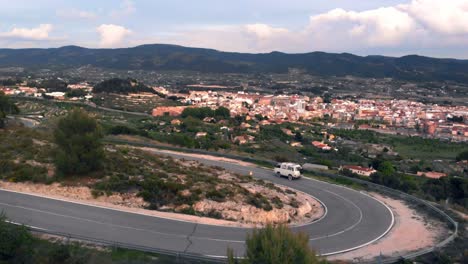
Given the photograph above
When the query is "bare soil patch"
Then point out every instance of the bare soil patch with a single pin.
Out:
(411, 232)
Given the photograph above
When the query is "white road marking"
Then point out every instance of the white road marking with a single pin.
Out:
(239, 167)
(30, 226)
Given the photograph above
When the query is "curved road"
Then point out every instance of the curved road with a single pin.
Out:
(353, 219)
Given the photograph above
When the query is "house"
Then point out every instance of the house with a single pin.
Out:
(56, 95)
(200, 134)
(431, 174)
(321, 145)
(264, 123)
(296, 144)
(287, 131)
(244, 139)
(359, 170)
(245, 125)
(176, 122)
(168, 110)
(209, 120)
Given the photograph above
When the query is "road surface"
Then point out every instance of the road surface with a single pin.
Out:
(352, 219)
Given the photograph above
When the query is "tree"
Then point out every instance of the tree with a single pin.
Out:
(6, 107)
(386, 168)
(54, 85)
(78, 138)
(121, 86)
(277, 244)
(462, 155)
(298, 137)
(15, 243)
(198, 112)
(222, 112)
(75, 93)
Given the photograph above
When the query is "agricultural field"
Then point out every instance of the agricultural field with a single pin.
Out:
(143, 103)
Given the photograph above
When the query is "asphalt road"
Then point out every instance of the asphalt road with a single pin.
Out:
(352, 220)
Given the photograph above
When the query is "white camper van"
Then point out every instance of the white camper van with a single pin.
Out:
(290, 170)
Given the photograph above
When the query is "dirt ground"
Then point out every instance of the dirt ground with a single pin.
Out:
(201, 156)
(410, 233)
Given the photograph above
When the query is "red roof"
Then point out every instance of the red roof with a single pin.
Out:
(354, 167)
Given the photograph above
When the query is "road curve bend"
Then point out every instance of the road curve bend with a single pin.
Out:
(352, 220)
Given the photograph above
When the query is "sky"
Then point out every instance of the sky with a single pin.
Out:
(436, 28)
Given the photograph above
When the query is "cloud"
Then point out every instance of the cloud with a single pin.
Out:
(112, 35)
(446, 17)
(414, 27)
(383, 26)
(127, 8)
(38, 33)
(76, 14)
(263, 31)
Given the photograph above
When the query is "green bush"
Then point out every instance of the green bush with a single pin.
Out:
(277, 202)
(78, 137)
(6, 107)
(217, 195)
(259, 201)
(277, 244)
(15, 243)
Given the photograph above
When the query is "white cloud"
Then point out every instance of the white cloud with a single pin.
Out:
(447, 17)
(76, 14)
(38, 33)
(383, 26)
(112, 35)
(263, 31)
(414, 27)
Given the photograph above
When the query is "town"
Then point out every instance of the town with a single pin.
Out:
(397, 116)
(385, 116)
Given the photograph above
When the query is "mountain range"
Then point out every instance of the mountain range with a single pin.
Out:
(162, 57)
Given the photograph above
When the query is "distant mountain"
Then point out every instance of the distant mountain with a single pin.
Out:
(171, 57)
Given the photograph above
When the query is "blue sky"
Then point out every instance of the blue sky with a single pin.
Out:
(389, 27)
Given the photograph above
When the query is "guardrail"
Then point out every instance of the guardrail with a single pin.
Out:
(194, 257)
(383, 189)
(379, 188)
(179, 257)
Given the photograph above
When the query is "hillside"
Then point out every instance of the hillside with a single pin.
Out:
(170, 57)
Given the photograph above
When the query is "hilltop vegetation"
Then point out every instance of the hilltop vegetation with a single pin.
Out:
(121, 86)
(52, 85)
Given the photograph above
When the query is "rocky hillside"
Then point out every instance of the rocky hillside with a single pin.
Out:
(138, 179)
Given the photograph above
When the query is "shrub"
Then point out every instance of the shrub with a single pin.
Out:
(15, 243)
(216, 195)
(214, 214)
(259, 201)
(78, 137)
(277, 244)
(277, 202)
(294, 203)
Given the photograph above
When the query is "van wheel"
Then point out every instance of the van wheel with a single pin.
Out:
(278, 174)
(290, 177)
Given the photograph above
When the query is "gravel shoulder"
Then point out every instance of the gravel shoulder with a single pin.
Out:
(412, 231)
